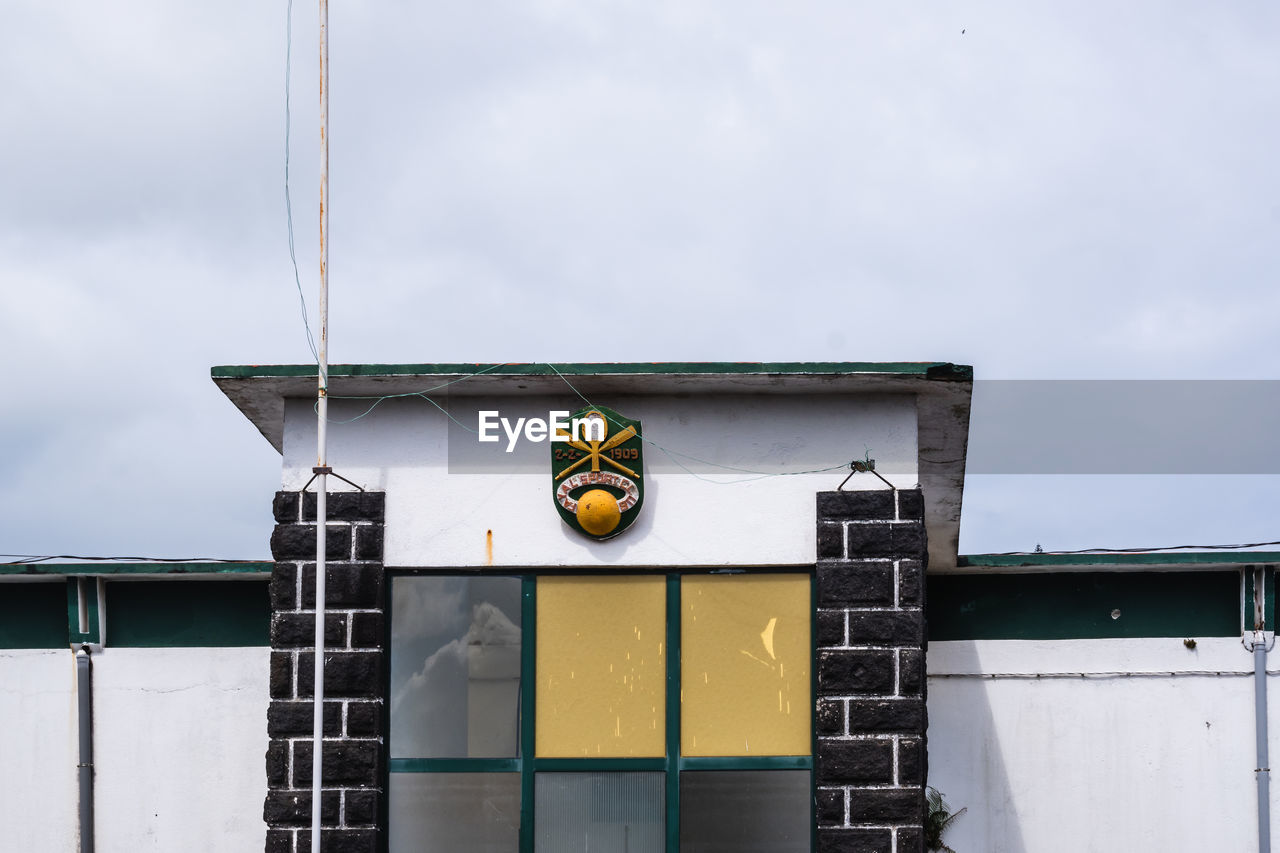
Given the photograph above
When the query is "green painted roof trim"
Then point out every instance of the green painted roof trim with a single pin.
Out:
(34, 616)
(156, 613)
(1084, 605)
(176, 614)
(58, 569)
(928, 369)
(1142, 559)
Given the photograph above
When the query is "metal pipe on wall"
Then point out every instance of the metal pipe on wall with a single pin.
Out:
(322, 411)
(84, 702)
(1263, 769)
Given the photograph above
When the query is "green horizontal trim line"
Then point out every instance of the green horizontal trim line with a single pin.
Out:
(33, 616)
(1078, 605)
(744, 762)
(59, 569)
(188, 613)
(1180, 558)
(601, 765)
(928, 369)
(455, 765)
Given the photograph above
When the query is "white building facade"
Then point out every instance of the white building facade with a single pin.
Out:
(752, 646)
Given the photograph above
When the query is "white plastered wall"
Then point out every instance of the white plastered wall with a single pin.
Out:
(441, 516)
(1097, 763)
(179, 745)
(38, 749)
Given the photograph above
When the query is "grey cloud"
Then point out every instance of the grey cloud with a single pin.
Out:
(1080, 192)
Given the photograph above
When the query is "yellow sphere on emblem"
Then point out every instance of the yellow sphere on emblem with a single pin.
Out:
(598, 512)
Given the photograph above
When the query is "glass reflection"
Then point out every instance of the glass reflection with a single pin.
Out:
(455, 667)
(451, 812)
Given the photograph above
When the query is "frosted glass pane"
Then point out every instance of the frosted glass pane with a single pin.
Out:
(601, 671)
(753, 811)
(599, 812)
(451, 812)
(744, 665)
(455, 667)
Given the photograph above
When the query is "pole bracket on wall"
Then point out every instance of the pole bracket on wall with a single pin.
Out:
(325, 469)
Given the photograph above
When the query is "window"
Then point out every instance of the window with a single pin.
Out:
(599, 713)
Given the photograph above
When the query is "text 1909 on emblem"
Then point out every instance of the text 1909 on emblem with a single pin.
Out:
(597, 474)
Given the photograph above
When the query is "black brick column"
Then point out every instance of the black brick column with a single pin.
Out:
(871, 718)
(351, 799)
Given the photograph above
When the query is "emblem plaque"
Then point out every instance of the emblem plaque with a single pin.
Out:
(597, 474)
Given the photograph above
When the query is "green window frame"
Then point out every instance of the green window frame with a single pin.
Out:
(672, 764)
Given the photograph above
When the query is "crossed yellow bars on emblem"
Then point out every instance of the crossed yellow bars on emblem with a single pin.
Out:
(596, 449)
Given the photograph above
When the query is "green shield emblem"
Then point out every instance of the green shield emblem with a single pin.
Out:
(597, 472)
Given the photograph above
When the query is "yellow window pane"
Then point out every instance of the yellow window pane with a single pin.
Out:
(744, 665)
(601, 673)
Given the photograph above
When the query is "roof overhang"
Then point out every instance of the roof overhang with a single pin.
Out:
(152, 569)
(942, 391)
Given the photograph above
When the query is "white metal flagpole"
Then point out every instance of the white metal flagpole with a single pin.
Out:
(322, 411)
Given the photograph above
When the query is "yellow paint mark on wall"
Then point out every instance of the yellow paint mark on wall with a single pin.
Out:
(488, 548)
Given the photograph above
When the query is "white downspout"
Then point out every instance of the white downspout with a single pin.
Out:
(84, 768)
(1263, 770)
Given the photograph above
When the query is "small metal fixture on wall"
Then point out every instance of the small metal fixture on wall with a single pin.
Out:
(861, 466)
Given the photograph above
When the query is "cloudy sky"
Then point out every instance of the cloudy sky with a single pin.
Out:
(1040, 190)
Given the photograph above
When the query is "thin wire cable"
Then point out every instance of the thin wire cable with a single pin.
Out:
(672, 454)
(421, 395)
(1132, 550)
(381, 397)
(288, 200)
(379, 400)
